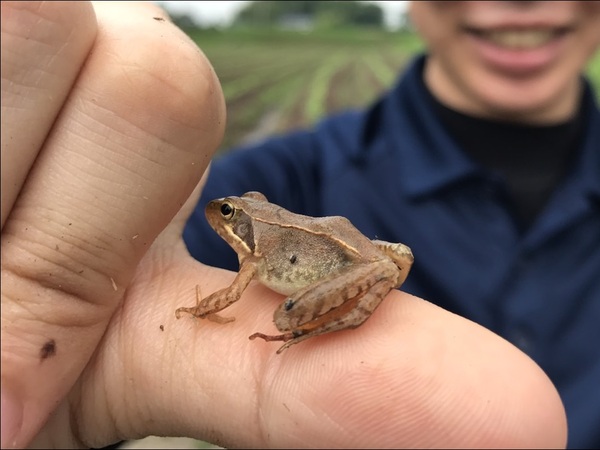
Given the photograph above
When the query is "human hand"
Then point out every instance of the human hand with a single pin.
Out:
(110, 115)
(119, 149)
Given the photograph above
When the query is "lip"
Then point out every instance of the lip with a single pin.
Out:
(517, 61)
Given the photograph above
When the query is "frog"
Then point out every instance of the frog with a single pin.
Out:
(333, 276)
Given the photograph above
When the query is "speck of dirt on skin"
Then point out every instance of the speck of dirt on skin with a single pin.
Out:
(159, 19)
(162, 328)
(48, 349)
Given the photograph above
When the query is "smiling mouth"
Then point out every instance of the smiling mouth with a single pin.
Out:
(519, 39)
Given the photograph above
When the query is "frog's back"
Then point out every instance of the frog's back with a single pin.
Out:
(345, 233)
(298, 250)
(336, 228)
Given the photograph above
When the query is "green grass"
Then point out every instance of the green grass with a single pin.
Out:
(593, 73)
(320, 84)
(289, 74)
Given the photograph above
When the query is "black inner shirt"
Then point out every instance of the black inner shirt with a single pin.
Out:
(530, 159)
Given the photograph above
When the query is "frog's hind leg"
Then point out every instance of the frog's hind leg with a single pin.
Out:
(269, 338)
(401, 255)
(350, 314)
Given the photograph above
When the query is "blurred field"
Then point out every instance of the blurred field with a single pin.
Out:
(593, 72)
(277, 80)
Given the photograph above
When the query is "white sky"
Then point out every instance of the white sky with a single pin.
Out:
(223, 12)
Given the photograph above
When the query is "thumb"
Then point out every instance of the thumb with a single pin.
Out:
(171, 235)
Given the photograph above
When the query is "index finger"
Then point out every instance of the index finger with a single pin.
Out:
(39, 66)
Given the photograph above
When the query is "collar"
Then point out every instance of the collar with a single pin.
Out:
(589, 162)
(579, 193)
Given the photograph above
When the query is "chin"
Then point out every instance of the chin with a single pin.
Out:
(533, 101)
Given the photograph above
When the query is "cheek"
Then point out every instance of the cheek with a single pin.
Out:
(436, 22)
(591, 39)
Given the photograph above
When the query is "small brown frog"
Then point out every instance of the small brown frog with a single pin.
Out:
(333, 275)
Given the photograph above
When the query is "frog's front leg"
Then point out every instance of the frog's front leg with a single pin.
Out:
(208, 307)
(336, 303)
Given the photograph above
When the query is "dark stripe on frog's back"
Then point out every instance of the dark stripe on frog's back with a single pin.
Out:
(291, 255)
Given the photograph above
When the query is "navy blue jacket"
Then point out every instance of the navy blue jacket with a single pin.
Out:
(395, 172)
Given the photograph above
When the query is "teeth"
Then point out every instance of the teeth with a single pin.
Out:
(519, 39)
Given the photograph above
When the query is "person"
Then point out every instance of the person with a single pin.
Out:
(484, 159)
(109, 119)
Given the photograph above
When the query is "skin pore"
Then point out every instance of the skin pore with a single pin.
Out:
(517, 61)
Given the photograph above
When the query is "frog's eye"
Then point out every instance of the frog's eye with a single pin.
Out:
(227, 211)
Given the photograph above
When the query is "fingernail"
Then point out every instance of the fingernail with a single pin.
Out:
(12, 417)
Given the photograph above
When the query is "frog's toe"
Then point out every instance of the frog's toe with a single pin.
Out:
(219, 319)
(183, 309)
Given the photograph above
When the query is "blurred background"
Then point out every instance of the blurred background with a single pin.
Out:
(284, 65)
